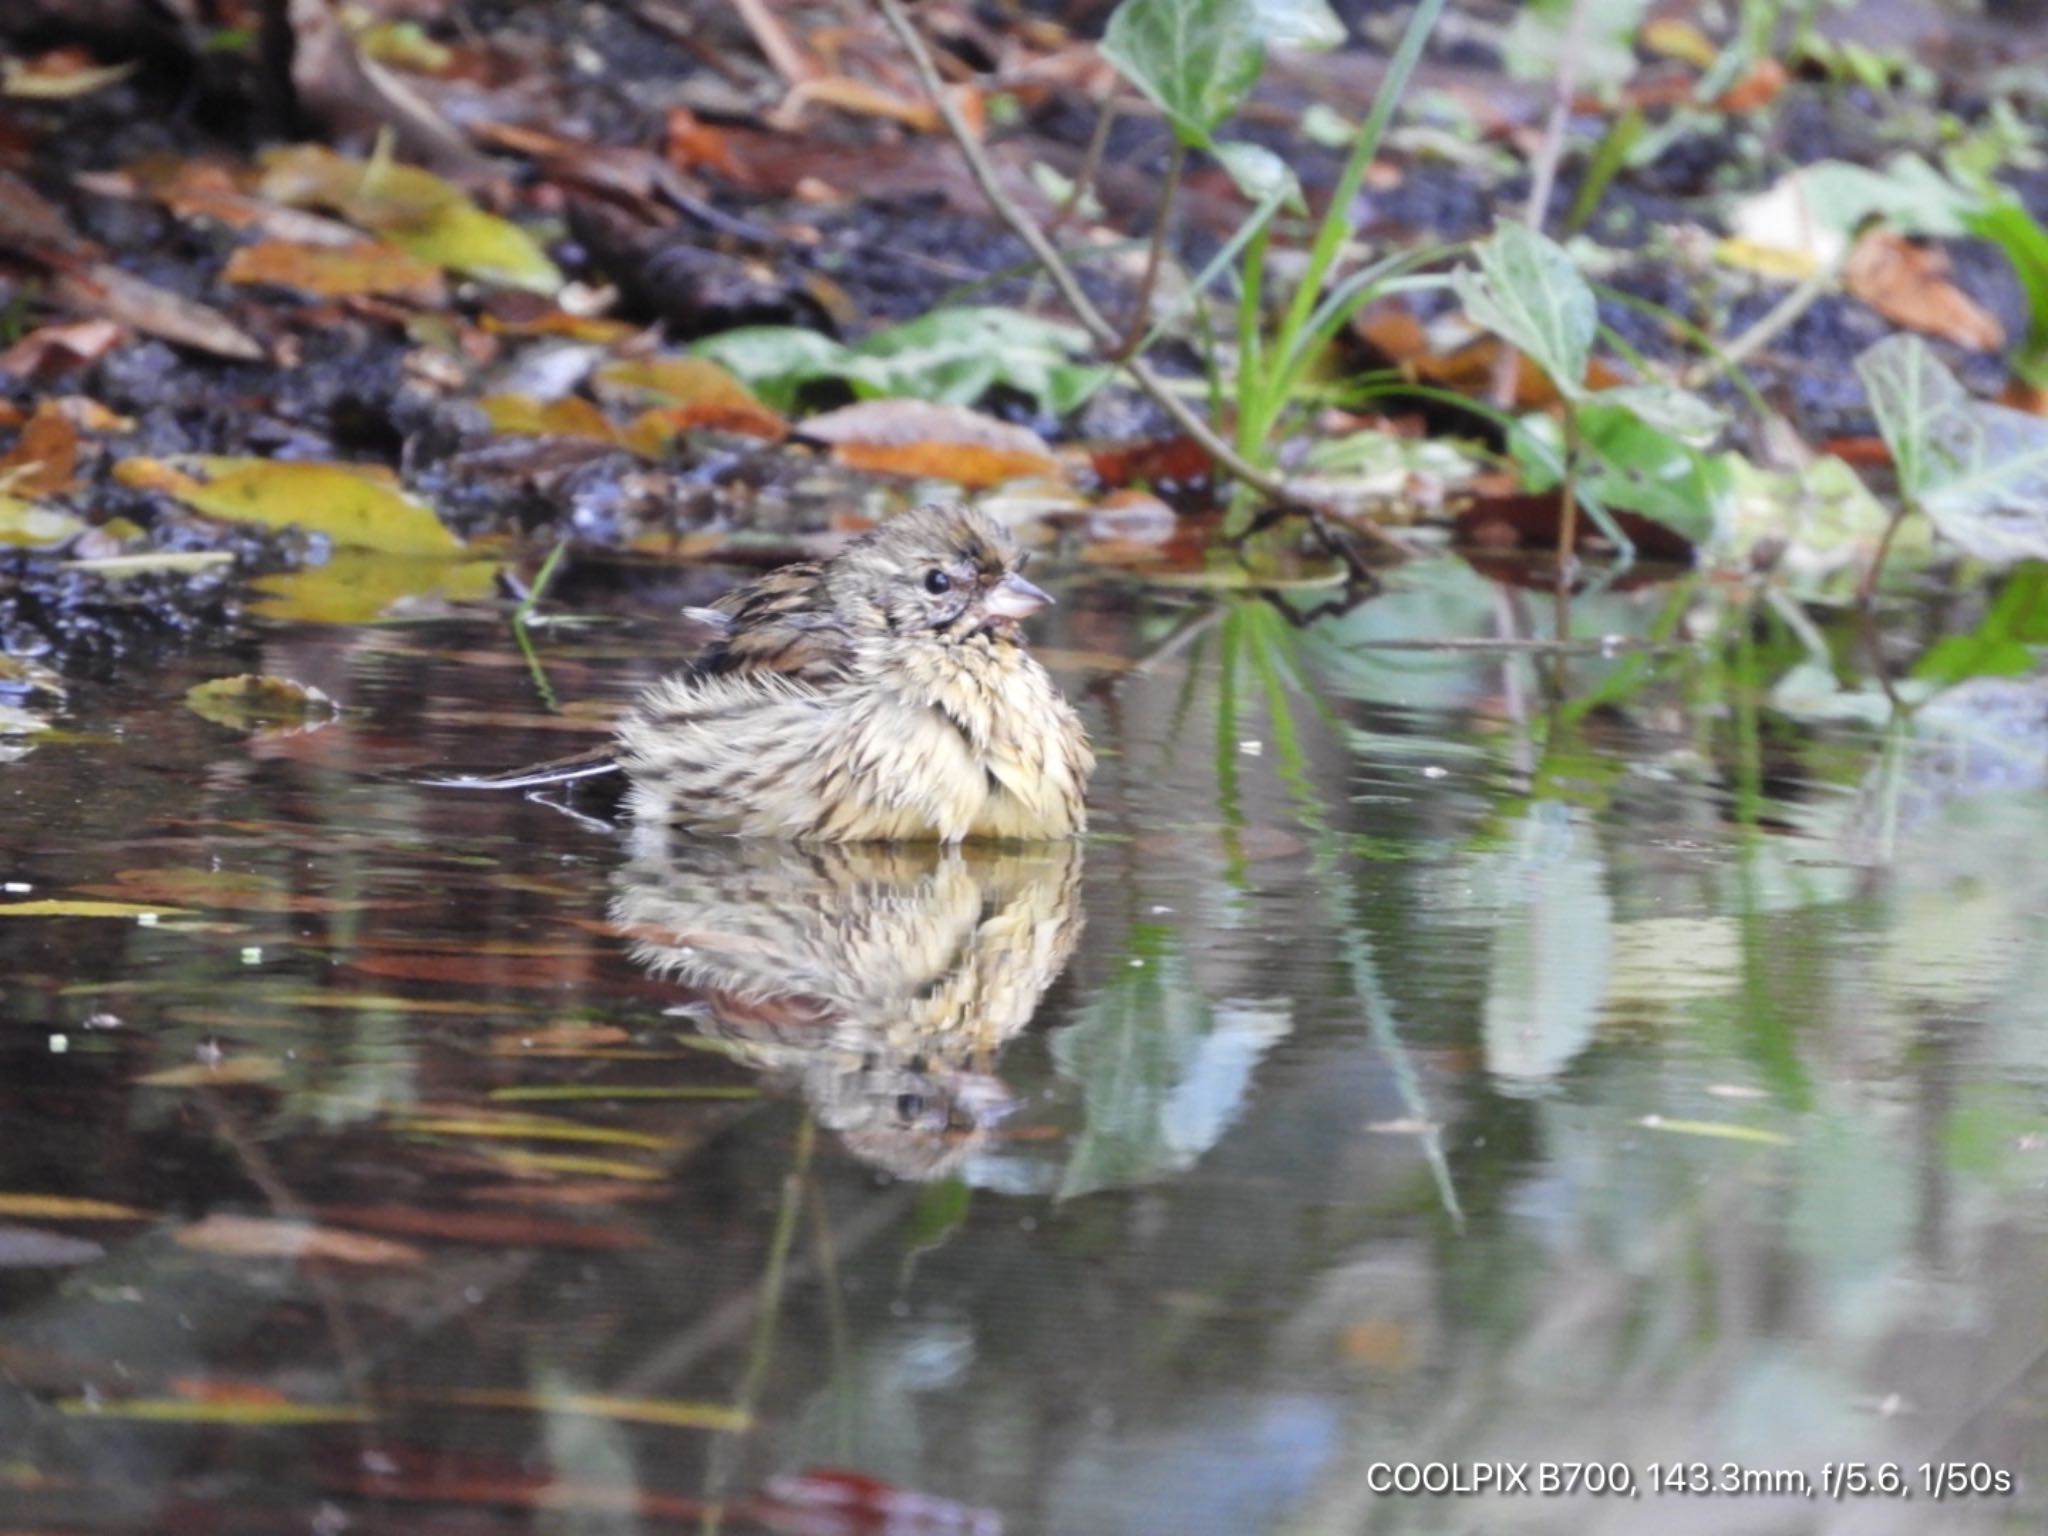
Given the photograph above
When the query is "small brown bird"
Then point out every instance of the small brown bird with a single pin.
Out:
(884, 694)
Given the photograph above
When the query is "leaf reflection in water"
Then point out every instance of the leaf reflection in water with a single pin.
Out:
(880, 982)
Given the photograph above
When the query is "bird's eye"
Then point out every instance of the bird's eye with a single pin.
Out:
(937, 581)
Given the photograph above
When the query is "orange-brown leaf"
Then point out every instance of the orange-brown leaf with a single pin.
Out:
(919, 437)
(343, 271)
(1909, 285)
(263, 1237)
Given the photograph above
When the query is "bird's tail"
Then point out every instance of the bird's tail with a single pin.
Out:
(592, 764)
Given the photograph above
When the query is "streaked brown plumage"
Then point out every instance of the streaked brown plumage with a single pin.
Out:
(884, 694)
(880, 982)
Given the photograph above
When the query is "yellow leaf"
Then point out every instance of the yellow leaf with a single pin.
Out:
(262, 1237)
(1718, 1128)
(252, 700)
(65, 1208)
(23, 523)
(86, 909)
(533, 1128)
(667, 1412)
(359, 585)
(346, 502)
(1769, 260)
(59, 83)
(178, 1410)
(227, 1074)
(571, 416)
(326, 271)
(414, 209)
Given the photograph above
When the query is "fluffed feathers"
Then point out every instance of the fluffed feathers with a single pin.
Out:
(883, 695)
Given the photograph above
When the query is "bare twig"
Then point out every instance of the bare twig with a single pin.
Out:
(1769, 326)
(1141, 311)
(1098, 325)
(1091, 162)
(776, 45)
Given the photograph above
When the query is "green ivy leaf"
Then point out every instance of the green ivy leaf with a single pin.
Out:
(1529, 293)
(1198, 59)
(1979, 471)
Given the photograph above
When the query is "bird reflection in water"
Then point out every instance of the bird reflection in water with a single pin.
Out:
(879, 981)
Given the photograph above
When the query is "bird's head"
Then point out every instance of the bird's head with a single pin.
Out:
(940, 572)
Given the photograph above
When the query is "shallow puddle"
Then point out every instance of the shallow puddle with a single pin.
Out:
(1430, 1060)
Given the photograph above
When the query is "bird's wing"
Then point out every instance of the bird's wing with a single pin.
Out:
(784, 623)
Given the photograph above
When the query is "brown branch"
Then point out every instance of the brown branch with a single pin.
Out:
(1105, 334)
(1141, 311)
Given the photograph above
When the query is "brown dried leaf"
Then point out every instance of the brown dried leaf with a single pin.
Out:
(52, 349)
(919, 437)
(1909, 285)
(326, 271)
(107, 291)
(262, 1237)
(62, 74)
(44, 459)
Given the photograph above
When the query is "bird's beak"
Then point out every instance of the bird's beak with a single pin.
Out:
(1015, 598)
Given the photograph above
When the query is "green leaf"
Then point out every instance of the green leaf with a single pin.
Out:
(1309, 25)
(777, 360)
(953, 356)
(1979, 471)
(352, 506)
(1633, 465)
(1197, 59)
(2025, 243)
(61, 908)
(1667, 409)
(1260, 174)
(1604, 46)
(1529, 292)
(2005, 641)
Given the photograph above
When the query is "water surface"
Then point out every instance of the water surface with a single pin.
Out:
(1433, 1057)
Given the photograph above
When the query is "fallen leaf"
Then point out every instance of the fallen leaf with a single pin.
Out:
(570, 416)
(63, 908)
(1715, 1128)
(107, 291)
(534, 1128)
(264, 1237)
(665, 1412)
(23, 524)
(235, 1071)
(67, 1208)
(358, 585)
(327, 271)
(252, 701)
(1910, 286)
(922, 438)
(63, 74)
(221, 889)
(52, 349)
(431, 218)
(177, 1410)
(686, 393)
(44, 459)
(343, 501)
(558, 1036)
